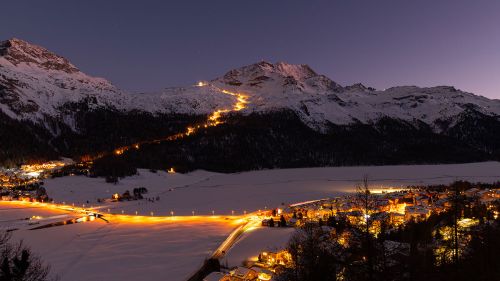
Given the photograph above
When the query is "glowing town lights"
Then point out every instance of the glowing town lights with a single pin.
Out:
(201, 84)
(171, 171)
(136, 146)
(467, 222)
(366, 216)
(189, 131)
(33, 174)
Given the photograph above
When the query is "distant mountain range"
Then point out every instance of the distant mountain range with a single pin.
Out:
(294, 117)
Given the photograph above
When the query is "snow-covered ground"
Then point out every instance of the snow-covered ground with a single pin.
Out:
(173, 250)
(21, 216)
(98, 250)
(204, 192)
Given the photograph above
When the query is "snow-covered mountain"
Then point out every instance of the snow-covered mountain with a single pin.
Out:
(48, 108)
(318, 100)
(35, 83)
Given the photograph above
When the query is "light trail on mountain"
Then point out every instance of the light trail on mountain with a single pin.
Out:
(213, 120)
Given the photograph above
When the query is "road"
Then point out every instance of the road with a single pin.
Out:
(252, 223)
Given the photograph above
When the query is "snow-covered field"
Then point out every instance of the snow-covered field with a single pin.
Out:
(204, 192)
(173, 250)
(17, 216)
(98, 250)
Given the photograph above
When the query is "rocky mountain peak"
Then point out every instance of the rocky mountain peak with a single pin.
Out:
(257, 73)
(18, 51)
(298, 71)
(358, 87)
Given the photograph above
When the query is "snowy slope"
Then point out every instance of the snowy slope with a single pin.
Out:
(35, 83)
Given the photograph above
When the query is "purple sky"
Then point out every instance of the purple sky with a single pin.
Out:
(148, 45)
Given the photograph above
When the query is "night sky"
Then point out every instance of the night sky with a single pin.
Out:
(149, 45)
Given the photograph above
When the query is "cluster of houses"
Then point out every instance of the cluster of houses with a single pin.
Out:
(394, 207)
(10, 178)
(261, 270)
(34, 192)
(29, 174)
(137, 194)
(25, 183)
(21, 184)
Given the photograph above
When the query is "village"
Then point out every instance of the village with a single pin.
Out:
(25, 183)
(386, 211)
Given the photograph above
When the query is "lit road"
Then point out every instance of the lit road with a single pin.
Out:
(251, 223)
(236, 220)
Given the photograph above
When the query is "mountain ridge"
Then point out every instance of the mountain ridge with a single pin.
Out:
(63, 111)
(317, 99)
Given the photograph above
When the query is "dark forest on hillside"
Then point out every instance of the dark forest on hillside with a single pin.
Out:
(281, 140)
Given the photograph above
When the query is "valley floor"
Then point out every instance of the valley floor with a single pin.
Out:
(121, 250)
(204, 192)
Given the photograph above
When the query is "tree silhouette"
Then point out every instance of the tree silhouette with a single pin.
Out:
(19, 264)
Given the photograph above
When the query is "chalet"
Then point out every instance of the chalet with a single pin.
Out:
(272, 259)
(417, 212)
(472, 192)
